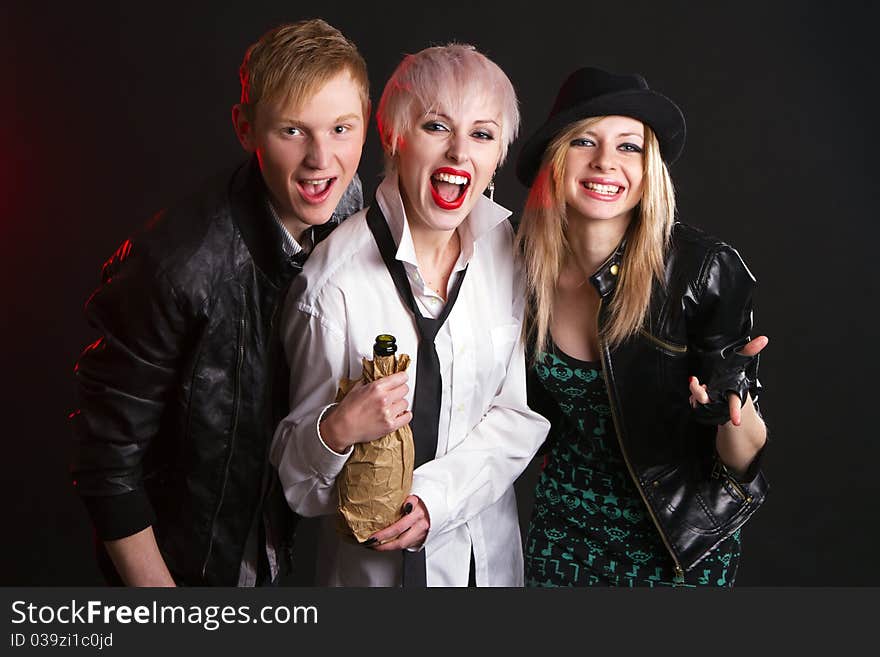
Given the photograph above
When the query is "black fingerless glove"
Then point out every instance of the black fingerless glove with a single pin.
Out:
(728, 372)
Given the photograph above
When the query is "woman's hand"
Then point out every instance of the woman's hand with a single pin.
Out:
(409, 531)
(367, 412)
(740, 439)
(700, 394)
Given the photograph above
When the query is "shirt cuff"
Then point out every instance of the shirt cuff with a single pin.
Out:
(327, 462)
(433, 499)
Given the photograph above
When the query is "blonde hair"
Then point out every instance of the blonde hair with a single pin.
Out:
(543, 243)
(442, 78)
(293, 61)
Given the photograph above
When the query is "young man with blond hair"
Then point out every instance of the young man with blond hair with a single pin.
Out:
(179, 396)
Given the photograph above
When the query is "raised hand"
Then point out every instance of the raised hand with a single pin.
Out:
(367, 412)
(700, 393)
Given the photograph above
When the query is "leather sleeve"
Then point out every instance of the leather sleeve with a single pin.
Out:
(722, 314)
(352, 201)
(722, 323)
(123, 382)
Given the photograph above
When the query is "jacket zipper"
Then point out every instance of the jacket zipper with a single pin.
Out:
(679, 571)
(235, 404)
(735, 484)
(720, 470)
(678, 349)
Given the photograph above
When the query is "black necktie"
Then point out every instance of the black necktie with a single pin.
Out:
(296, 262)
(429, 384)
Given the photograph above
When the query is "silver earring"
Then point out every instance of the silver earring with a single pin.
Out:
(492, 188)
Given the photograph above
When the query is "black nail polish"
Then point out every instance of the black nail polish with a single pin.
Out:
(407, 508)
(370, 541)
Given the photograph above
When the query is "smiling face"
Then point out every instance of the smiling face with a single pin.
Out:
(446, 160)
(308, 152)
(604, 168)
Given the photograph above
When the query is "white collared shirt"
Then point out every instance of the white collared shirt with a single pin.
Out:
(487, 434)
(289, 244)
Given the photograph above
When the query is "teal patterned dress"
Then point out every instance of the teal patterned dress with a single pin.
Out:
(589, 525)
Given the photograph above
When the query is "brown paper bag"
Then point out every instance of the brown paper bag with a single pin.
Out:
(377, 477)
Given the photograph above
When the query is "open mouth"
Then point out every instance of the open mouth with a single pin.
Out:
(602, 191)
(449, 187)
(315, 190)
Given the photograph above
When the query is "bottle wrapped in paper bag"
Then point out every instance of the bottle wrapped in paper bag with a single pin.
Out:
(377, 477)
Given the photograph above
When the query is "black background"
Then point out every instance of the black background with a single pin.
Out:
(110, 112)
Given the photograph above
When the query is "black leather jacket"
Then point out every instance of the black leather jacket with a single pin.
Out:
(704, 306)
(179, 397)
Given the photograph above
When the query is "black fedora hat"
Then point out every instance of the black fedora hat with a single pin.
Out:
(593, 92)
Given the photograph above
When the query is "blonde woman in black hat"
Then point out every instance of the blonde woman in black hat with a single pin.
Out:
(642, 358)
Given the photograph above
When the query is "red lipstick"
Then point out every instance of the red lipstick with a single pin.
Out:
(441, 202)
